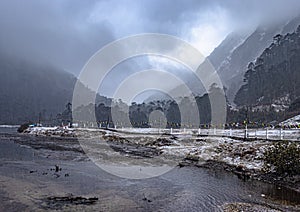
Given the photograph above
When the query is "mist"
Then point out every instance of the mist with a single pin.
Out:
(66, 33)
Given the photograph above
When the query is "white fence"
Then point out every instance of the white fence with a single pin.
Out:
(268, 134)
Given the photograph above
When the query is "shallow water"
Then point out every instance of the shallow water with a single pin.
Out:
(8, 129)
(27, 178)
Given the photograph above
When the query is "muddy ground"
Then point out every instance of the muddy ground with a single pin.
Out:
(44, 172)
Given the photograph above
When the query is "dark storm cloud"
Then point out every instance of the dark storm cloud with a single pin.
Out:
(55, 32)
(65, 33)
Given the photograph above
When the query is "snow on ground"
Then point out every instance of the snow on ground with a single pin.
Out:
(53, 131)
(9, 126)
(233, 152)
(294, 121)
(186, 144)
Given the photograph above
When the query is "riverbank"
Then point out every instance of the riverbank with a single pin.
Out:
(39, 173)
(243, 158)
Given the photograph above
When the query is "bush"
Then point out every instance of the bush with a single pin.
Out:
(284, 157)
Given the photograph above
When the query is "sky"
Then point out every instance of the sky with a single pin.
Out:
(66, 33)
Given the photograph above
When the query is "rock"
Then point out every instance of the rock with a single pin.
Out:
(60, 202)
(192, 157)
(160, 142)
(57, 168)
(236, 207)
(146, 199)
(23, 128)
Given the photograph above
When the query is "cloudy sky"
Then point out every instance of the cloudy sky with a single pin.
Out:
(66, 33)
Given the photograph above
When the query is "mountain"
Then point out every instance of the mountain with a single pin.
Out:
(231, 57)
(233, 68)
(225, 49)
(273, 79)
(29, 92)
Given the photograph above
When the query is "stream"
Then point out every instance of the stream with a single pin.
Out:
(28, 178)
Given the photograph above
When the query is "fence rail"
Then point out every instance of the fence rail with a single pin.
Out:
(268, 134)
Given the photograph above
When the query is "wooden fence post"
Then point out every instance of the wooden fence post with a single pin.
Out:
(246, 132)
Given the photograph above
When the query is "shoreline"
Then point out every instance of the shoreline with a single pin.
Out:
(242, 158)
(67, 152)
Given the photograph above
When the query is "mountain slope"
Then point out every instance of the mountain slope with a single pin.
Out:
(227, 46)
(234, 67)
(274, 78)
(30, 92)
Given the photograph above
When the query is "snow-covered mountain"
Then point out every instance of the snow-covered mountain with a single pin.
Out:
(273, 79)
(231, 58)
(225, 49)
(212, 63)
(234, 66)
